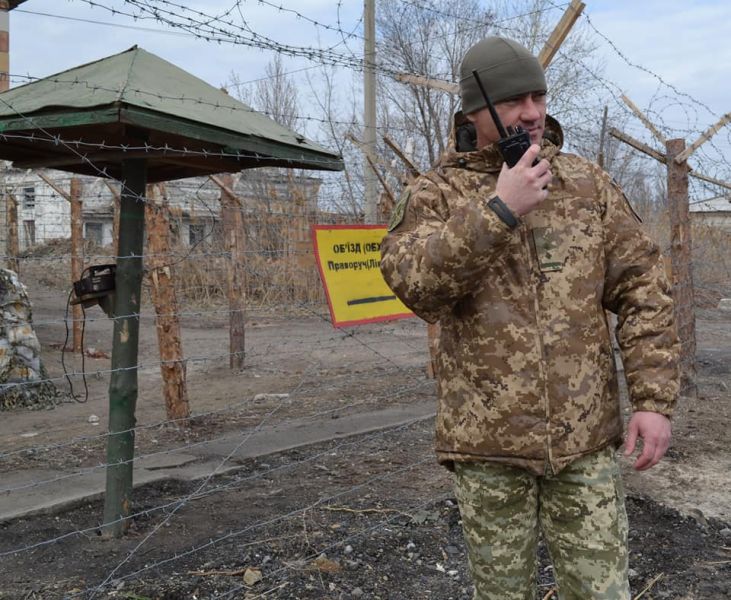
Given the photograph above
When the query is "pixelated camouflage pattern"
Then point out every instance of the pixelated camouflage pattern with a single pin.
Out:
(525, 368)
(580, 512)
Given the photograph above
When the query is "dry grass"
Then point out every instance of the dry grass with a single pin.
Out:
(710, 258)
(280, 266)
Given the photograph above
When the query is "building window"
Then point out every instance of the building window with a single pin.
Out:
(29, 228)
(94, 233)
(29, 198)
(196, 233)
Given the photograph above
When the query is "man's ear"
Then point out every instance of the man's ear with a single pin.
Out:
(471, 117)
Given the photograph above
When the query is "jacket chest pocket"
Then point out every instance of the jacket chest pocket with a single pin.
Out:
(565, 233)
(547, 237)
(548, 249)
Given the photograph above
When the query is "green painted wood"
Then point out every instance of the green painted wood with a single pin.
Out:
(269, 152)
(60, 119)
(123, 384)
(231, 142)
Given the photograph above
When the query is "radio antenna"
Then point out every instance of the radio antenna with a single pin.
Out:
(493, 112)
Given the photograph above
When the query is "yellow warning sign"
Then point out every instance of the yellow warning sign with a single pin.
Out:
(349, 257)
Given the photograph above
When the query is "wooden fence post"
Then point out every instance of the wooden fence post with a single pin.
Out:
(297, 234)
(167, 321)
(680, 256)
(13, 246)
(676, 159)
(77, 254)
(233, 235)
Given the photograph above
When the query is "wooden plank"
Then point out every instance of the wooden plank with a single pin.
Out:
(436, 84)
(57, 188)
(704, 137)
(559, 33)
(412, 168)
(637, 145)
(77, 254)
(680, 256)
(226, 183)
(645, 121)
(161, 275)
(718, 182)
(386, 189)
(378, 161)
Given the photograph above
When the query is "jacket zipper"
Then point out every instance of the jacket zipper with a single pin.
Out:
(534, 278)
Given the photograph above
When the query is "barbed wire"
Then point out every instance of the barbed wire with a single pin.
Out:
(214, 29)
(156, 11)
(265, 352)
(395, 393)
(642, 68)
(227, 486)
(182, 502)
(272, 521)
(179, 424)
(157, 364)
(197, 101)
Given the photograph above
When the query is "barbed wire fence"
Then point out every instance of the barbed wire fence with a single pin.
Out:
(297, 372)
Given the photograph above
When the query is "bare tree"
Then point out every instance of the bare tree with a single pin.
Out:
(338, 122)
(428, 40)
(276, 95)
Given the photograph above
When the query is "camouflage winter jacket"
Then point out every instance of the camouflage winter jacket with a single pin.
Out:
(525, 367)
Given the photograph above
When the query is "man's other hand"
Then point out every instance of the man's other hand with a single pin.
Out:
(655, 430)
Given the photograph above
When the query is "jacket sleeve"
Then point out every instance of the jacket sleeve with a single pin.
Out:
(438, 253)
(636, 288)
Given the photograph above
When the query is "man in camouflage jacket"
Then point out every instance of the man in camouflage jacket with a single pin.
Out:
(518, 266)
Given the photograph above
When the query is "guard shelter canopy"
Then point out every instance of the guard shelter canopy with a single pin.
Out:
(134, 104)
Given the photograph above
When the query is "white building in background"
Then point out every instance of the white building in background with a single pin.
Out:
(44, 215)
(714, 212)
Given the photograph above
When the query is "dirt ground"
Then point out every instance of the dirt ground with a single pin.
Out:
(370, 516)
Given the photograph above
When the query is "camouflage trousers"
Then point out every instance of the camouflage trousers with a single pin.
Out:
(580, 512)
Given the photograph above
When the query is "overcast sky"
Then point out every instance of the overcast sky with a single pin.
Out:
(684, 44)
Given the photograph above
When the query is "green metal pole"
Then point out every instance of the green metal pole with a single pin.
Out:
(123, 384)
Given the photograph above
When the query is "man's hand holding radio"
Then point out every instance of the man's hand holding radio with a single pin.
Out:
(524, 187)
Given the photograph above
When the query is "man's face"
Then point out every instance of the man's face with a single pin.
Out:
(527, 110)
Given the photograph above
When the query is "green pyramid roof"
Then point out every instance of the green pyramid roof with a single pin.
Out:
(137, 105)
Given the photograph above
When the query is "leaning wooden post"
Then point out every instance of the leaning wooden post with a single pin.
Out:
(233, 235)
(115, 215)
(123, 384)
(73, 197)
(167, 320)
(77, 254)
(11, 220)
(680, 256)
